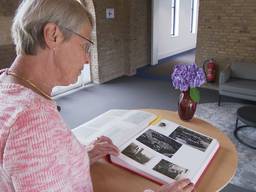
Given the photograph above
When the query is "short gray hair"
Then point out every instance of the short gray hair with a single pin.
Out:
(32, 16)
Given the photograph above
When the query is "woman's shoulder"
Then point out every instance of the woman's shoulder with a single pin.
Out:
(17, 100)
(21, 97)
(20, 108)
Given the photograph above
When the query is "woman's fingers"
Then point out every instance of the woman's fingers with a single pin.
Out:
(189, 187)
(106, 147)
(102, 146)
(183, 183)
(104, 138)
(103, 152)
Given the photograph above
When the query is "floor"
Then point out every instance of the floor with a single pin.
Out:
(164, 68)
(127, 93)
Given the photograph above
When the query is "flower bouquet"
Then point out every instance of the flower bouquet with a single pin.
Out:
(186, 78)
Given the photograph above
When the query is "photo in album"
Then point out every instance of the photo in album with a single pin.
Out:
(191, 138)
(137, 153)
(159, 142)
(170, 170)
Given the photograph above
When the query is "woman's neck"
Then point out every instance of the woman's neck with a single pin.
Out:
(35, 70)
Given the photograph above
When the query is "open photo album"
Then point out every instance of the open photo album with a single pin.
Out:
(155, 148)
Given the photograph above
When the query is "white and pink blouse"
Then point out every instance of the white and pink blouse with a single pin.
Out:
(38, 152)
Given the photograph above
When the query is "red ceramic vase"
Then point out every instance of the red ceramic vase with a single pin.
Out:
(186, 106)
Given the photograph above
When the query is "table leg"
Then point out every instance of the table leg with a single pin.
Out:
(239, 139)
(236, 123)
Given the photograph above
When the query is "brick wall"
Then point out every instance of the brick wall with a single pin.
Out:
(139, 41)
(123, 42)
(226, 31)
(7, 50)
(110, 39)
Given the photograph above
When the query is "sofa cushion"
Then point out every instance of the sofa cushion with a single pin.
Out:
(244, 70)
(243, 86)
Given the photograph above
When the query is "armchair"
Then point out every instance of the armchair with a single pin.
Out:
(238, 80)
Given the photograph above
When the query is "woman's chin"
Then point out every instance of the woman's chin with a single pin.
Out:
(74, 81)
(68, 82)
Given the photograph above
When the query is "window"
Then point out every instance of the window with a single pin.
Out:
(174, 17)
(194, 11)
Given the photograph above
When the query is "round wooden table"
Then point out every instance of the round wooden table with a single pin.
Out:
(109, 178)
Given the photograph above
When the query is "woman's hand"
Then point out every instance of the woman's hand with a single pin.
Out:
(183, 185)
(100, 148)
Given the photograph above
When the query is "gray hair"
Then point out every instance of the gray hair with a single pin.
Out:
(32, 16)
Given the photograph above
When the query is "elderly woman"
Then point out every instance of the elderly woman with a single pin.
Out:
(38, 151)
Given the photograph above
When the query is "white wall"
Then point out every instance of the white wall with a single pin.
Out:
(162, 42)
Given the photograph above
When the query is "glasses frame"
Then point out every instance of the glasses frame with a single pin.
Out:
(79, 35)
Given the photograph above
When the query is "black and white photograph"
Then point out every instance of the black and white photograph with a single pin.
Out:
(170, 170)
(159, 142)
(191, 138)
(137, 153)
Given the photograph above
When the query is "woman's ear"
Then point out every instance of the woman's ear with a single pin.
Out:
(52, 35)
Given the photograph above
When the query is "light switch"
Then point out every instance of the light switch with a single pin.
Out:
(110, 13)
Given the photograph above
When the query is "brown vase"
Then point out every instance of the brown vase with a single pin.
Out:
(186, 106)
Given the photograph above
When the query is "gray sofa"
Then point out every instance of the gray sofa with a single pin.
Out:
(238, 80)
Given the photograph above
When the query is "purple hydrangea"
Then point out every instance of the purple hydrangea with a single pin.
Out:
(187, 76)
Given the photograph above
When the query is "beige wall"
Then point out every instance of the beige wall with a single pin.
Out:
(123, 43)
(227, 31)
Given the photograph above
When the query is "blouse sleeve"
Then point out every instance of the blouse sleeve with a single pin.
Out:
(41, 154)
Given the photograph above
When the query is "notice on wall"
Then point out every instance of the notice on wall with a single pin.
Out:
(110, 13)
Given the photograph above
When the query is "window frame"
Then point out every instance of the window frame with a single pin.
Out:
(193, 22)
(174, 18)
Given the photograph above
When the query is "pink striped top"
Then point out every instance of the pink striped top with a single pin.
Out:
(38, 151)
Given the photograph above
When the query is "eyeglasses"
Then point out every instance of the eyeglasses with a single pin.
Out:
(86, 47)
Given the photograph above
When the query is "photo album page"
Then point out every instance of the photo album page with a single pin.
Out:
(119, 125)
(166, 152)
